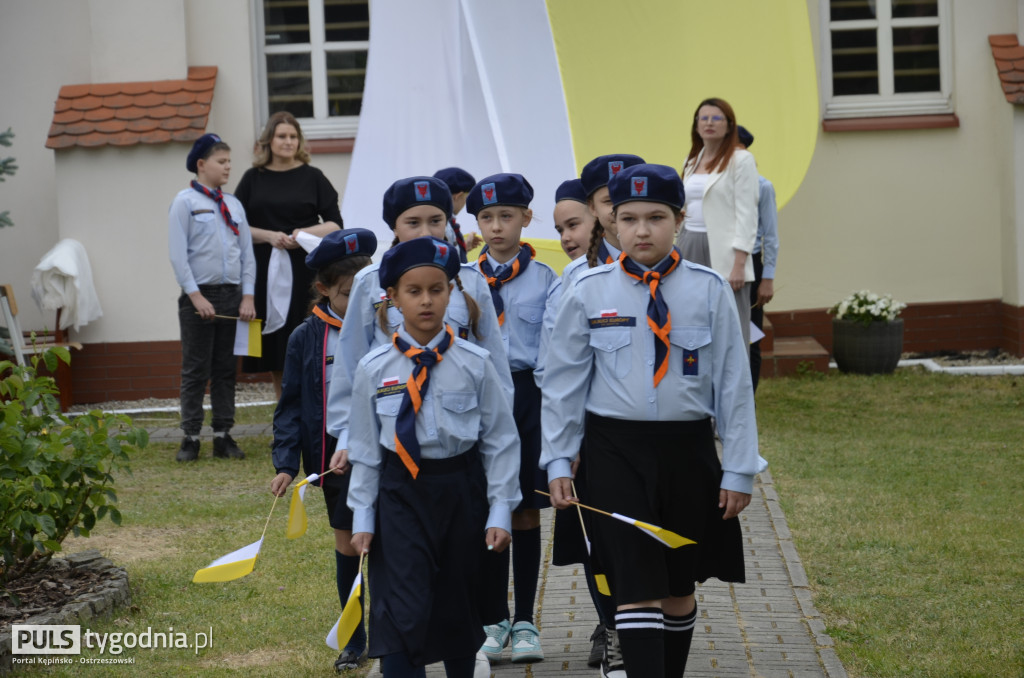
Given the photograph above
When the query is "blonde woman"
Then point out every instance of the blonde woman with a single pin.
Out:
(720, 180)
(283, 194)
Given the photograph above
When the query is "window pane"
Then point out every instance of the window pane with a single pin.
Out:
(912, 8)
(285, 22)
(915, 59)
(854, 62)
(346, 73)
(852, 10)
(346, 20)
(290, 84)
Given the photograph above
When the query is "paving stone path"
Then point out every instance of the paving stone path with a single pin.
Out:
(766, 628)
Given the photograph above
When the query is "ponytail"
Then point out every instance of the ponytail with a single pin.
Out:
(596, 236)
(472, 307)
(382, 315)
(395, 241)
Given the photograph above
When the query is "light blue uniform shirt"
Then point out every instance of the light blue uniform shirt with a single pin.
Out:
(203, 249)
(525, 298)
(465, 405)
(603, 362)
(767, 227)
(361, 332)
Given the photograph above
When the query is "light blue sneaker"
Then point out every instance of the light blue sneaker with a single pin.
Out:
(526, 643)
(497, 638)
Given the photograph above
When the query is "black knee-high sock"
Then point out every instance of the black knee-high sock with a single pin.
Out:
(678, 635)
(460, 668)
(348, 568)
(525, 570)
(494, 588)
(641, 638)
(398, 666)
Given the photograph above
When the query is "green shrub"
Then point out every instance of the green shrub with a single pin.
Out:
(56, 472)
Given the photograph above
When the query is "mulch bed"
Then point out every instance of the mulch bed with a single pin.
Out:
(45, 591)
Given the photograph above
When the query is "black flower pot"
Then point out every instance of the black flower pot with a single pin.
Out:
(872, 348)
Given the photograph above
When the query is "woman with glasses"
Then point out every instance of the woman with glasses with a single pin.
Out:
(721, 202)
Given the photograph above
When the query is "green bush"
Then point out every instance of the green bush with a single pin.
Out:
(56, 472)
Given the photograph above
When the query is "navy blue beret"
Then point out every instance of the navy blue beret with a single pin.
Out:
(343, 243)
(647, 183)
(499, 189)
(199, 150)
(406, 193)
(598, 171)
(457, 179)
(425, 251)
(571, 190)
(746, 138)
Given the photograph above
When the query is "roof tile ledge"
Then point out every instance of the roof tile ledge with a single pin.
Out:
(1009, 57)
(129, 113)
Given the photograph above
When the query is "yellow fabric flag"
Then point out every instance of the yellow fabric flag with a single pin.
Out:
(351, 616)
(234, 565)
(297, 522)
(666, 537)
(248, 340)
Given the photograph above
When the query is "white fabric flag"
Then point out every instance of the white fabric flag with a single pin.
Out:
(279, 289)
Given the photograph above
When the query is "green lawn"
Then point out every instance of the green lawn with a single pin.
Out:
(904, 496)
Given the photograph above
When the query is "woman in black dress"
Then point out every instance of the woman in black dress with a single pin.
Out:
(282, 194)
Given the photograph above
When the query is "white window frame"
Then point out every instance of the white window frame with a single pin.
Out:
(321, 125)
(888, 102)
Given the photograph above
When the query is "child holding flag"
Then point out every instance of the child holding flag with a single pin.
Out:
(519, 285)
(435, 463)
(300, 416)
(211, 252)
(645, 352)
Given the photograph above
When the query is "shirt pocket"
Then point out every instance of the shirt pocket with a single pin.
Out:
(693, 343)
(461, 414)
(612, 349)
(457, 314)
(532, 316)
(387, 415)
(204, 219)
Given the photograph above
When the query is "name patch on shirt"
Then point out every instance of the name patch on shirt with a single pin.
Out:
(195, 212)
(690, 362)
(383, 299)
(612, 321)
(390, 387)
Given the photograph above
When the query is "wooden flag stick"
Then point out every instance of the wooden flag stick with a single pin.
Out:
(591, 508)
(582, 524)
(268, 517)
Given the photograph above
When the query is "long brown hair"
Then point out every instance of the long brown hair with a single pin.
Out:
(725, 151)
(331, 274)
(262, 157)
(596, 236)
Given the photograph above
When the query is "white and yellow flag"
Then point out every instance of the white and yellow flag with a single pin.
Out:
(234, 565)
(247, 338)
(351, 616)
(297, 521)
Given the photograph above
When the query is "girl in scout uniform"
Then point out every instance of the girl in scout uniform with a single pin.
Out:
(647, 351)
(435, 463)
(413, 207)
(519, 285)
(301, 411)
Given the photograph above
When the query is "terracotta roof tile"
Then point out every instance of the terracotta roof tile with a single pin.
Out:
(129, 113)
(1009, 57)
(1004, 40)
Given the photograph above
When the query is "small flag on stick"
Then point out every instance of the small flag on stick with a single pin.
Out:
(351, 615)
(666, 537)
(248, 340)
(234, 565)
(297, 522)
(600, 580)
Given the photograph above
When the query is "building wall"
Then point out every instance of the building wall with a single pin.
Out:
(918, 214)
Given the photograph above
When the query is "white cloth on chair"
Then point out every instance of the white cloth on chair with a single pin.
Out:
(63, 280)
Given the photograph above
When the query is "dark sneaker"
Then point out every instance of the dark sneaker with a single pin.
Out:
(598, 641)
(349, 660)
(224, 447)
(189, 450)
(612, 665)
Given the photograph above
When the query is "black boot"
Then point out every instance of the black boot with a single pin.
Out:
(189, 450)
(224, 447)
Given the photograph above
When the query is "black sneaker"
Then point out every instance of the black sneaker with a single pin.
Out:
(598, 641)
(349, 660)
(224, 447)
(612, 665)
(189, 450)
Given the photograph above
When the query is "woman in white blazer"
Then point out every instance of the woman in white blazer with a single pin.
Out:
(721, 202)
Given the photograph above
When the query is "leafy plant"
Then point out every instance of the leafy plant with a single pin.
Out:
(7, 167)
(56, 472)
(867, 307)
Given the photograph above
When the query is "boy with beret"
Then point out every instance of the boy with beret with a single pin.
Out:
(211, 254)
